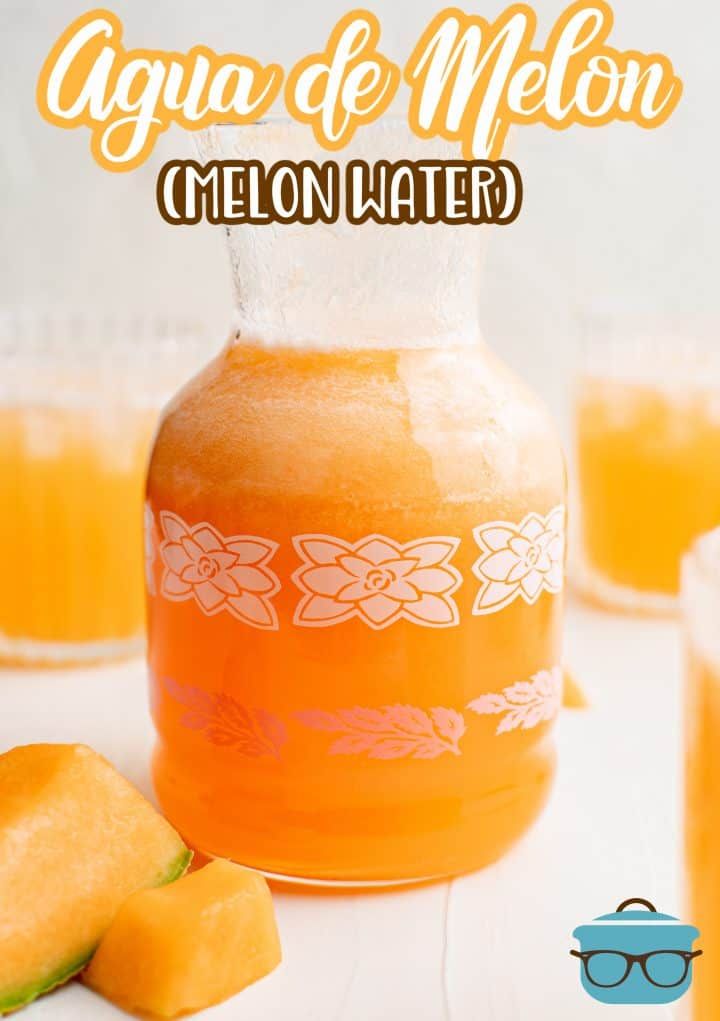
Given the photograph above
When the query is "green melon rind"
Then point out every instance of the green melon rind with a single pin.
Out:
(178, 868)
(21, 998)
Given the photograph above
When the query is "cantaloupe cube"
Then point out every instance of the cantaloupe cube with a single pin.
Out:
(190, 945)
(76, 839)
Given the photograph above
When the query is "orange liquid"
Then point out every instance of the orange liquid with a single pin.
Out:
(702, 828)
(408, 445)
(647, 464)
(71, 499)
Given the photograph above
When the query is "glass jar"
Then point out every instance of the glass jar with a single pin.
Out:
(357, 525)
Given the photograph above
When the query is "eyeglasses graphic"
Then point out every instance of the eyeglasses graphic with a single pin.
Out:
(609, 968)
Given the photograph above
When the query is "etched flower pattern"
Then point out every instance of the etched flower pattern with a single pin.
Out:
(519, 561)
(390, 732)
(525, 704)
(376, 580)
(219, 573)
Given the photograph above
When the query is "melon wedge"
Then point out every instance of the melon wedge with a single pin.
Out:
(189, 945)
(76, 839)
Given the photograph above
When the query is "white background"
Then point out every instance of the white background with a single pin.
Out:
(618, 222)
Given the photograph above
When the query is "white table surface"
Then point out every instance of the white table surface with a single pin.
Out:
(488, 947)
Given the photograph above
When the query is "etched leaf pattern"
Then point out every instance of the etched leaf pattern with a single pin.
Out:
(226, 722)
(525, 704)
(389, 732)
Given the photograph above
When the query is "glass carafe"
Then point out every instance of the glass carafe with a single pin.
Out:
(356, 533)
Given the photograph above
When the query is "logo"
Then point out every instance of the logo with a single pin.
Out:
(636, 955)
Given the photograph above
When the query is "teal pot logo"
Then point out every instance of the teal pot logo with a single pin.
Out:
(636, 955)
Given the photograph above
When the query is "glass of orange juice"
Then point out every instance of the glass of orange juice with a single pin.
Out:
(79, 400)
(648, 465)
(701, 608)
(357, 518)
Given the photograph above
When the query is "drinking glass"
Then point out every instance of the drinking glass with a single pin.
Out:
(79, 399)
(648, 465)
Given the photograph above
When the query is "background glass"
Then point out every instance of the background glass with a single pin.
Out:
(79, 399)
(647, 438)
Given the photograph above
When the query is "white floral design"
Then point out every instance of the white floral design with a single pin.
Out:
(377, 580)
(519, 561)
(219, 573)
(525, 704)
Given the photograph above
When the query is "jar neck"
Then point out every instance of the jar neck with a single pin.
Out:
(366, 286)
(343, 284)
(336, 338)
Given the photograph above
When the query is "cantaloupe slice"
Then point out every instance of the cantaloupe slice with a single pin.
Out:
(189, 945)
(76, 839)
